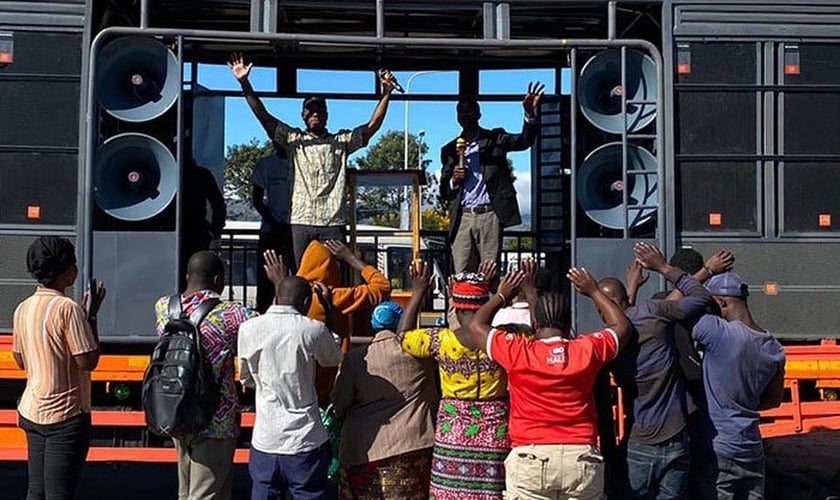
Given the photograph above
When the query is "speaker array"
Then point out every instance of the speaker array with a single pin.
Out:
(137, 84)
(601, 181)
(135, 174)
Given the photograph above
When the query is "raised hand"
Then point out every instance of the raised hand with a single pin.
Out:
(339, 249)
(509, 286)
(635, 275)
(387, 80)
(532, 99)
(720, 262)
(420, 273)
(93, 297)
(275, 268)
(323, 292)
(489, 269)
(238, 67)
(529, 281)
(583, 282)
(650, 257)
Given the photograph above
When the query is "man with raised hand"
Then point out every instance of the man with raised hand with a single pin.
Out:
(317, 157)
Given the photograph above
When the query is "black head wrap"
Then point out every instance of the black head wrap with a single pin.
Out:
(48, 257)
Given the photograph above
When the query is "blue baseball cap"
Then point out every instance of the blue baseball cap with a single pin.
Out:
(386, 316)
(727, 285)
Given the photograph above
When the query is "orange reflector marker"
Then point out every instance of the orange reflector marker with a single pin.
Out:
(771, 288)
(683, 69)
(33, 212)
(715, 218)
(825, 220)
(6, 58)
(791, 69)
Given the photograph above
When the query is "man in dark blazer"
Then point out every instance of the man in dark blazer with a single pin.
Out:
(481, 193)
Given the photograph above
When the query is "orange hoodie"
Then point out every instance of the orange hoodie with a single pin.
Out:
(318, 264)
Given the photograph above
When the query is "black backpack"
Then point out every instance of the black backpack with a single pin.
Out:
(180, 392)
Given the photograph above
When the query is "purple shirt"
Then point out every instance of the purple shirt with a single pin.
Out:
(738, 365)
(647, 369)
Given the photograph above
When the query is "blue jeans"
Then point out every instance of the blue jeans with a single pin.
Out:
(303, 476)
(660, 470)
(739, 480)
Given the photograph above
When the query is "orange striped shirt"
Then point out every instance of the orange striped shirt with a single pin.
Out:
(48, 330)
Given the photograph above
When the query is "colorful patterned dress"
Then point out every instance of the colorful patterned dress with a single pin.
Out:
(471, 439)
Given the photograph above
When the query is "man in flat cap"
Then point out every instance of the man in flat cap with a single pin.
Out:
(743, 373)
(54, 340)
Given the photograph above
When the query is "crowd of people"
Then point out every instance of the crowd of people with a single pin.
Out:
(503, 402)
(499, 404)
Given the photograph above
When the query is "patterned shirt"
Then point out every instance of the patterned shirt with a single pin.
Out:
(464, 373)
(318, 173)
(219, 332)
(48, 330)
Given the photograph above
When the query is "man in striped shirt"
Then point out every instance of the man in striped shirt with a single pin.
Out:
(55, 342)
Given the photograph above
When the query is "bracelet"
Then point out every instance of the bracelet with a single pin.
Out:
(504, 299)
(709, 271)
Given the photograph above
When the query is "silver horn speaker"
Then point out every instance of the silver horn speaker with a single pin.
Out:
(135, 177)
(600, 186)
(600, 90)
(137, 78)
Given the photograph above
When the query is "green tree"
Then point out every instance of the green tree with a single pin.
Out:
(239, 163)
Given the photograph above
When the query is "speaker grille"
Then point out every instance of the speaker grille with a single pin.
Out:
(45, 181)
(716, 123)
(10, 297)
(37, 53)
(810, 191)
(819, 63)
(811, 123)
(718, 196)
(46, 113)
(732, 63)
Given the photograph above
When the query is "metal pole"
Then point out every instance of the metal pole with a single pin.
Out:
(611, 8)
(380, 18)
(144, 14)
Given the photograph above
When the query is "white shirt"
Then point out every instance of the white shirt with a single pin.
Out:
(518, 313)
(272, 175)
(278, 351)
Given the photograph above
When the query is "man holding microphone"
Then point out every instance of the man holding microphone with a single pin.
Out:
(477, 181)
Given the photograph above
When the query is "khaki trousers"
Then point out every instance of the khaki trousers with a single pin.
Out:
(554, 472)
(205, 468)
(478, 238)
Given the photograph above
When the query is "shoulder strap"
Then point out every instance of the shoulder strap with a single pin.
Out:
(203, 310)
(175, 307)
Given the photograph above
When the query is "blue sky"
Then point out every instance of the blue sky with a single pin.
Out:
(436, 118)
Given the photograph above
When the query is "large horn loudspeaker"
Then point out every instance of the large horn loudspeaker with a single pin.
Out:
(135, 177)
(600, 186)
(137, 79)
(600, 90)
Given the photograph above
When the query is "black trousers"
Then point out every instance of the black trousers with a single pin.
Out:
(57, 454)
(279, 240)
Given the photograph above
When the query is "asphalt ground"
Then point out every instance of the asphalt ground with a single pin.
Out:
(798, 468)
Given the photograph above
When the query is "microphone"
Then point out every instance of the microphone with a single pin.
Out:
(460, 146)
(394, 81)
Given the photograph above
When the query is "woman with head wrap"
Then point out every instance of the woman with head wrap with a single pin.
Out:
(54, 341)
(387, 400)
(471, 439)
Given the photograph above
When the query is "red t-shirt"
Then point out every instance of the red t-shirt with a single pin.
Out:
(551, 381)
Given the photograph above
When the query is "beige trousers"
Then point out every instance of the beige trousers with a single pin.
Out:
(554, 472)
(479, 238)
(205, 468)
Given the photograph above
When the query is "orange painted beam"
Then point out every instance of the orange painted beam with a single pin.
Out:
(105, 454)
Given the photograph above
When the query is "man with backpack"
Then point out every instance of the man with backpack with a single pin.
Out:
(205, 456)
